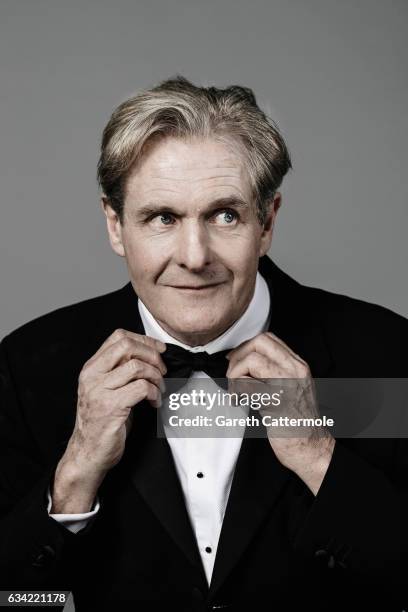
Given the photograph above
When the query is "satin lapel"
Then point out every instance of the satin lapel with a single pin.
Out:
(258, 481)
(148, 460)
(297, 318)
(259, 478)
(153, 473)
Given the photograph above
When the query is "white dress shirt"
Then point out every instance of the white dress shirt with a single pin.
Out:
(205, 466)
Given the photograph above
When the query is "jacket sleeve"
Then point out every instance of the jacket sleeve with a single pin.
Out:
(358, 521)
(35, 549)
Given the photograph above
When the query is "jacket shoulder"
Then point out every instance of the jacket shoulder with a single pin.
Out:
(62, 325)
(331, 308)
(344, 311)
(362, 336)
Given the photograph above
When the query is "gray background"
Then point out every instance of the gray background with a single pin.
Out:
(332, 73)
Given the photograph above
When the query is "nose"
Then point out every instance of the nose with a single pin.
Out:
(193, 250)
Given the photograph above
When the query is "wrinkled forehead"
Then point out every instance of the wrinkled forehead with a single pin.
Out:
(193, 169)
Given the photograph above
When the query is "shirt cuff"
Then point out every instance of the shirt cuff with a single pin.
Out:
(73, 522)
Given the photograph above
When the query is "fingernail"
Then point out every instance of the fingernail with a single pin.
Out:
(161, 346)
(162, 386)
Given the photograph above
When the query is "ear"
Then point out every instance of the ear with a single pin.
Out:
(114, 227)
(267, 230)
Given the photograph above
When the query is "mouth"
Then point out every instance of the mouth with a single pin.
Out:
(196, 288)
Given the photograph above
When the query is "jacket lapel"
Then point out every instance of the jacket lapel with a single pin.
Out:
(297, 318)
(259, 479)
(153, 473)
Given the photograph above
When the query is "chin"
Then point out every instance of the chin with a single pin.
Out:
(200, 325)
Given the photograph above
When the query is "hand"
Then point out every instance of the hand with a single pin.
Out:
(267, 357)
(125, 370)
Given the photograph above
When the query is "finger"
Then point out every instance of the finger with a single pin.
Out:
(118, 334)
(256, 366)
(138, 390)
(276, 339)
(122, 350)
(264, 345)
(133, 369)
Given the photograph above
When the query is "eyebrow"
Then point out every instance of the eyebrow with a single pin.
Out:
(226, 202)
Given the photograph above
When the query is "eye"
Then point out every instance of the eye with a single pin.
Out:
(226, 217)
(163, 218)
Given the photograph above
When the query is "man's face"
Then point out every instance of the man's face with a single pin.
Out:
(191, 237)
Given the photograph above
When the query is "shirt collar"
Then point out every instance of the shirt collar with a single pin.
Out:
(252, 322)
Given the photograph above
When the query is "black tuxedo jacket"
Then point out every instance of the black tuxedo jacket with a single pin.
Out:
(280, 549)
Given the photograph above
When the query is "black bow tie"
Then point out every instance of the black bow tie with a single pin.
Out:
(181, 363)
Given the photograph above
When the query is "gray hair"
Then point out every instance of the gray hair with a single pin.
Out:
(176, 107)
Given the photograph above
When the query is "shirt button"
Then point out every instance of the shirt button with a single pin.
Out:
(200, 475)
(208, 549)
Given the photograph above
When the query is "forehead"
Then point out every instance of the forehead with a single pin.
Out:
(194, 168)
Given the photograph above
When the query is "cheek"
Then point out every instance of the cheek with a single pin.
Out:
(245, 242)
(243, 261)
(143, 258)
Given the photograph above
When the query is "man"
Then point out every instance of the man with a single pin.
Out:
(92, 500)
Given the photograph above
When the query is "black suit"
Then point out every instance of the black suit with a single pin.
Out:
(280, 547)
